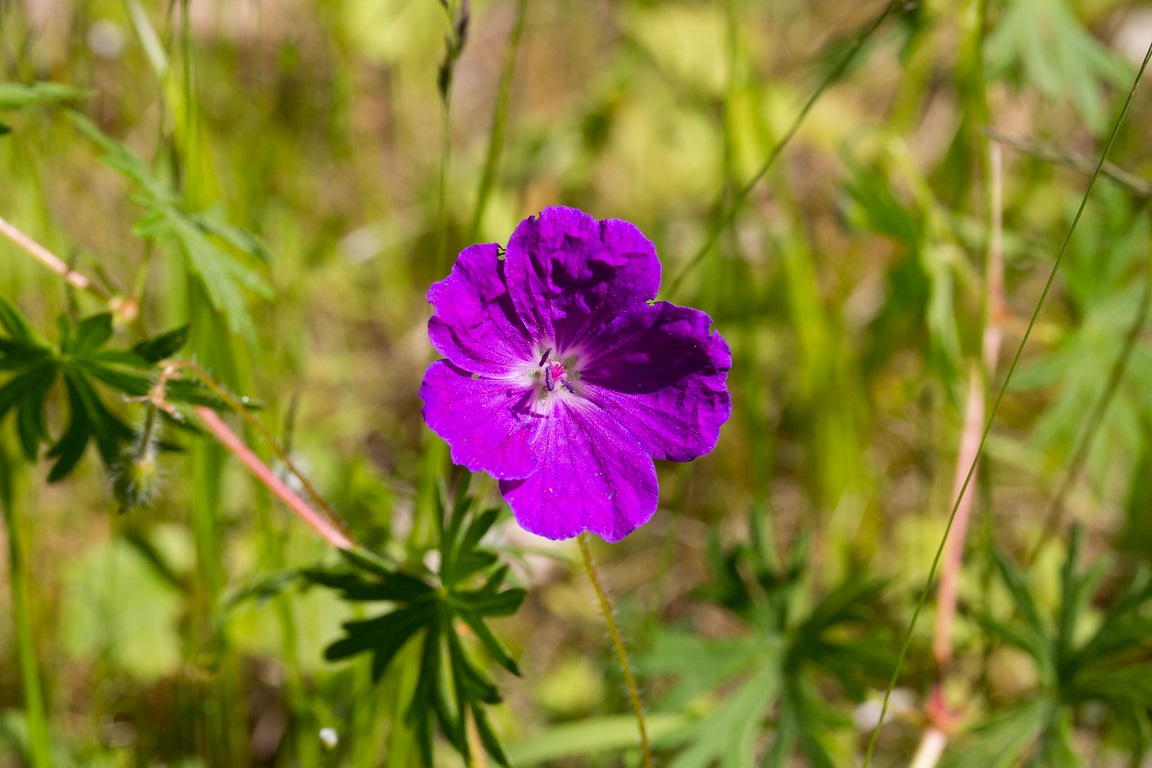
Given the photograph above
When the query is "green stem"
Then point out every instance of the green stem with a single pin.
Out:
(442, 207)
(995, 409)
(618, 642)
(39, 745)
(499, 121)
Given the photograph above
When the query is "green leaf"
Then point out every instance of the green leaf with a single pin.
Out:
(89, 419)
(1042, 43)
(1002, 740)
(15, 324)
(489, 640)
(210, 247)
(165, 345)
(91, 333)
(21, 96)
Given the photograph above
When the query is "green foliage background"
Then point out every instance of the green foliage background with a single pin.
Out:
(275, 175)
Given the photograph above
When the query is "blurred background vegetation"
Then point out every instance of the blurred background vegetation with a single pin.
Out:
(297, 148)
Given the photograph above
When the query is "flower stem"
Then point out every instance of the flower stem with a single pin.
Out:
(618, 642)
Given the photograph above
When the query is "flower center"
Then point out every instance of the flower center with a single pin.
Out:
(555, 373)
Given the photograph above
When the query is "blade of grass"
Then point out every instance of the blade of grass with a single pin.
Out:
(996, 407)
(19, 577)
(499, 122)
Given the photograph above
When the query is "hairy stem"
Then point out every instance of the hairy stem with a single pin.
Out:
(618, 642)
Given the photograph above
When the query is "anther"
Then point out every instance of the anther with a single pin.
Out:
(548, 383)
(568, 387)
(544, 357)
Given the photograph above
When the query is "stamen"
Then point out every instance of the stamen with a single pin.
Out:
(548, 383)
(568, 386)
(544, 357)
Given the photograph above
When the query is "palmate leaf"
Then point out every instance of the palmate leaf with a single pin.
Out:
(81, 362)
(434, 613)
(212, 248)
(797, 643)
(1109, 670)
(1042, 42)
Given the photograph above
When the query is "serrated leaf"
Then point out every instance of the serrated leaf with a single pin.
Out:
(395, 587)
(197, 234)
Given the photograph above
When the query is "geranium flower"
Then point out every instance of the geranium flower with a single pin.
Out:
(564, 379)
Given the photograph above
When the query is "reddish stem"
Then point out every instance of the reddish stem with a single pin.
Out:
(260, 470)
(46, 257)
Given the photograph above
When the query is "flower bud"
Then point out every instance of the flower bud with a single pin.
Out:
(135, 479)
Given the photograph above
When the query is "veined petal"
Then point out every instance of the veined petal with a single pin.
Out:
(592, 476)
(661, 373)
(488, 423)
(475, 325)
(569, 274)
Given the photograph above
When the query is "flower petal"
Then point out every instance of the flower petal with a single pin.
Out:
(488, 423)
(475, 325)
(570, 274)
(592, 476)
(662, 374)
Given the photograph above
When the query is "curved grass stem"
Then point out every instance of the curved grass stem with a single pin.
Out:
(923, 599)
(729, 213)
(618, 642)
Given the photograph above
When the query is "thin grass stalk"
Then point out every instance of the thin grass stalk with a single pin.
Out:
(922, 600)
(19, 578)
(618, 643)
(499, 122)
(734, 206)
(1095, 420)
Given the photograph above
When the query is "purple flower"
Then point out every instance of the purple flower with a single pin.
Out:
(564, 380)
